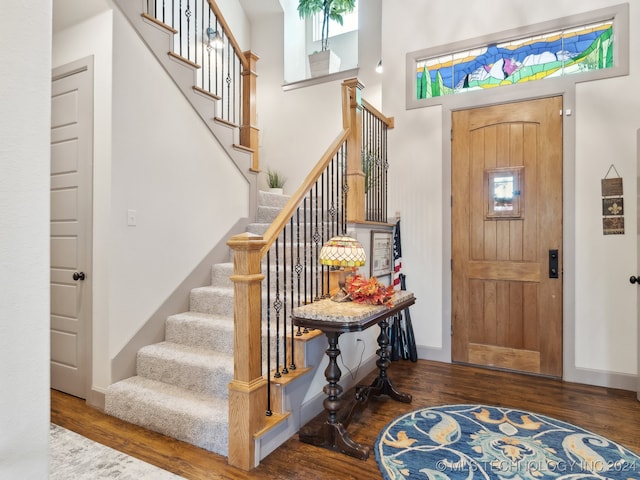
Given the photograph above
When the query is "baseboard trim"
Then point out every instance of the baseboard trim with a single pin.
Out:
(96, 399)
(435, 354)
(600, 378)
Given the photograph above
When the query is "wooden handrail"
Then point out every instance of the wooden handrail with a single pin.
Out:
(225, 26)
(286, 213)
(388, 121)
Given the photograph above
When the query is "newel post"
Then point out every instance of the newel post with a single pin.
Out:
(248, 389)
(352, 119)
(248, 130)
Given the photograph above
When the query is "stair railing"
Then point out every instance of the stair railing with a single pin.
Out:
(203, 39)
(285, 259)
(375, 165)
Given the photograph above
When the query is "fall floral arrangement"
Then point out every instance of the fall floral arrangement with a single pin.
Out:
(369, 290)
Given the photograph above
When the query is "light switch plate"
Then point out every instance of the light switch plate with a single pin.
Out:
(132, 221)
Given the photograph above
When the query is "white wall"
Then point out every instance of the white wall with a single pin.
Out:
(606, 116)
(312, 116)
(25, 96)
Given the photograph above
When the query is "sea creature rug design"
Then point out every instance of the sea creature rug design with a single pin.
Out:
(485, 442)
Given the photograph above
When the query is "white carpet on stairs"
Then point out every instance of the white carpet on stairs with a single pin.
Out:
(74, 457)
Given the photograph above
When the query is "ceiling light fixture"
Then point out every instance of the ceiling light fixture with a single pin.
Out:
(213, 38)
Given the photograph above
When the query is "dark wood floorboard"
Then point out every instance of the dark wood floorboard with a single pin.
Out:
(609, 412)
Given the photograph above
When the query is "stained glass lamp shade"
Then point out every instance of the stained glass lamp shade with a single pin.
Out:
(340, 252)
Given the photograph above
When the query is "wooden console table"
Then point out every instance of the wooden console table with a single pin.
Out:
(334, 319)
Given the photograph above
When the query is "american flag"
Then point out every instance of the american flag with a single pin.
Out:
(397, 256)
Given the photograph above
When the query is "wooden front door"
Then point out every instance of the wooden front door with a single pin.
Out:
(507, 236)
(71, 225)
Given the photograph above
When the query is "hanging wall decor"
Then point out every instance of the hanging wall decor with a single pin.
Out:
(612, 204)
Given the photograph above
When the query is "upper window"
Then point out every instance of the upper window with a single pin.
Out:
(349, 24)
(588, 46)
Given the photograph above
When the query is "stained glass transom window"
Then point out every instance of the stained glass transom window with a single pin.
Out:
(553, 54)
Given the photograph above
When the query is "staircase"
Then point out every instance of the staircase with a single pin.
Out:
(205, 383)
(180, 387)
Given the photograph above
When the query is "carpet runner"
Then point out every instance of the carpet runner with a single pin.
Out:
(74, 457)
(486, 442)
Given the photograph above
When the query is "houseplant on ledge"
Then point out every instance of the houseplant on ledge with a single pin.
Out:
(325, 61)
(275, 181)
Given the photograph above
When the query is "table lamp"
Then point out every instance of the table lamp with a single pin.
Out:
(340, 252)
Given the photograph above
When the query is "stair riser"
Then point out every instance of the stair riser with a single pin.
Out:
(269, 199)
(220, 274)
(213, 302)
(198, 422)
(205, 434)
(199, 334)
(210, 380)
(301, 233)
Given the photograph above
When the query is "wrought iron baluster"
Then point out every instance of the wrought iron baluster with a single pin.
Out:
(292, 364)
(268, 412)
(317, 239)
(181, 29)
(277, 305)
(188, 13)
(284, 301)
(299, 269)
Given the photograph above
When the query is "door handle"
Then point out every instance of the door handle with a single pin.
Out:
(553, 263)
(634, 279)
(78, 276)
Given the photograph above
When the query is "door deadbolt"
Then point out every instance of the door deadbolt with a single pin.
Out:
(553, 263)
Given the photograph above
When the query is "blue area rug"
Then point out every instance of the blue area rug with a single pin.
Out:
(484, 442)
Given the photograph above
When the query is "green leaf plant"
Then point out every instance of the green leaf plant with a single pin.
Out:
(330, 10)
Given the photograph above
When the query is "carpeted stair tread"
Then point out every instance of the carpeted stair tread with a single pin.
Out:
(213, 300)
(205, 330)
(198, 419)
(192, 368)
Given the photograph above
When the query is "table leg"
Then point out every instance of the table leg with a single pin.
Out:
(382, 385)
(332, 434)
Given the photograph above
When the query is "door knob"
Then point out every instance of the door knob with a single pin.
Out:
(634, 279)
(78, 276)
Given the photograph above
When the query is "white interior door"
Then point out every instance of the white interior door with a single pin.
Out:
(71, 226)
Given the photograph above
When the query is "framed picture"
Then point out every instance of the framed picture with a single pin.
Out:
(381, 253)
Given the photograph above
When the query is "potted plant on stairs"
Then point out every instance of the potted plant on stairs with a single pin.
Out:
(275, 181)
(325, 61)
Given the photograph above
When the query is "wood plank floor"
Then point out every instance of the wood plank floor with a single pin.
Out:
(612, 413)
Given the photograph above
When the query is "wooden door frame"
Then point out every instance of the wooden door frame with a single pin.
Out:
(85, 65)
(510, 95)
